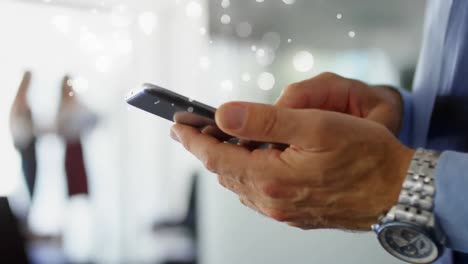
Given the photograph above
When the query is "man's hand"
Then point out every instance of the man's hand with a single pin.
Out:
(331, 92)
(339, 171)
(343, 167)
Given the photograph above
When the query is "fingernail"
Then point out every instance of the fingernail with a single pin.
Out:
(233, 116)
(174, 136)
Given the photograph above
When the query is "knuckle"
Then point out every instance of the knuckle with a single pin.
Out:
(210, 164)
(318, 223)
(292, 88)
(310, 226)
(231, 185)
(242, 175)
(222, 181)
(278, 215)
(298, 225)
(293, 224)
(305, 225)
(243, 201)
(328, 75)
(187, 144)
(274, 190)
(247, 203)
(241, 179)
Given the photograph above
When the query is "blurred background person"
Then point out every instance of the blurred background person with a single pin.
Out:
(12, 244)
(23, 132)
(73, 120)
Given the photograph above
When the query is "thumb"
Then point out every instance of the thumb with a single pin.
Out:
(261, 122)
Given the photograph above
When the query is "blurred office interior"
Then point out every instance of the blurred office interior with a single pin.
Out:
(140, 205)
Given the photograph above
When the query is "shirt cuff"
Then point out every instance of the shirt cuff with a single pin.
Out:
(406, 124)
(451, 199)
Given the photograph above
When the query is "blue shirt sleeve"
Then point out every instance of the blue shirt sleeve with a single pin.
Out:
(406, 125)
(451, 199)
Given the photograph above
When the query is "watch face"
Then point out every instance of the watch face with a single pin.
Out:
(408, 243)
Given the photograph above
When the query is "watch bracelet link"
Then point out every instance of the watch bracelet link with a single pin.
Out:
(416, 200)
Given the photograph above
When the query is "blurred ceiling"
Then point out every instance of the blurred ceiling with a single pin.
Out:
(394, 26)
(101, 5)
(78, 4)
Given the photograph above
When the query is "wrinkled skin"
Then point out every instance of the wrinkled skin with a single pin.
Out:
(343, 166)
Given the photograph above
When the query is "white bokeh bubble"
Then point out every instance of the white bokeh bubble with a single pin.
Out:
(203, 31)
(103, 64)
(253, 48)
(339, 16)
(225, 3)
(260, 53)
(352, 34)
(244, 29)
(246, 77)
(193, 9)
(265, 56)
(225, 19)
(227, 85)
(289, 2)
(272, 40)
(205, 62)
(80, 84)
(266, 81)
(62, 23)
(260, 1)
(147, 22)
(89, 42)
(303, 61)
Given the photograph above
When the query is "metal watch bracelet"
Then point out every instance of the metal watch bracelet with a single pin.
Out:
(416, 200)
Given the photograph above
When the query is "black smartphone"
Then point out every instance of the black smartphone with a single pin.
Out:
(178, 108)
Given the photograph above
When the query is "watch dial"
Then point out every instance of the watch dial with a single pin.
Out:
(408, 244)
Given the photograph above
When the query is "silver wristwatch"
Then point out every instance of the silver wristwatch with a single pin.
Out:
(408, 230)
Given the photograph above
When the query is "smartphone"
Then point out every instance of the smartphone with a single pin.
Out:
(177, 108)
